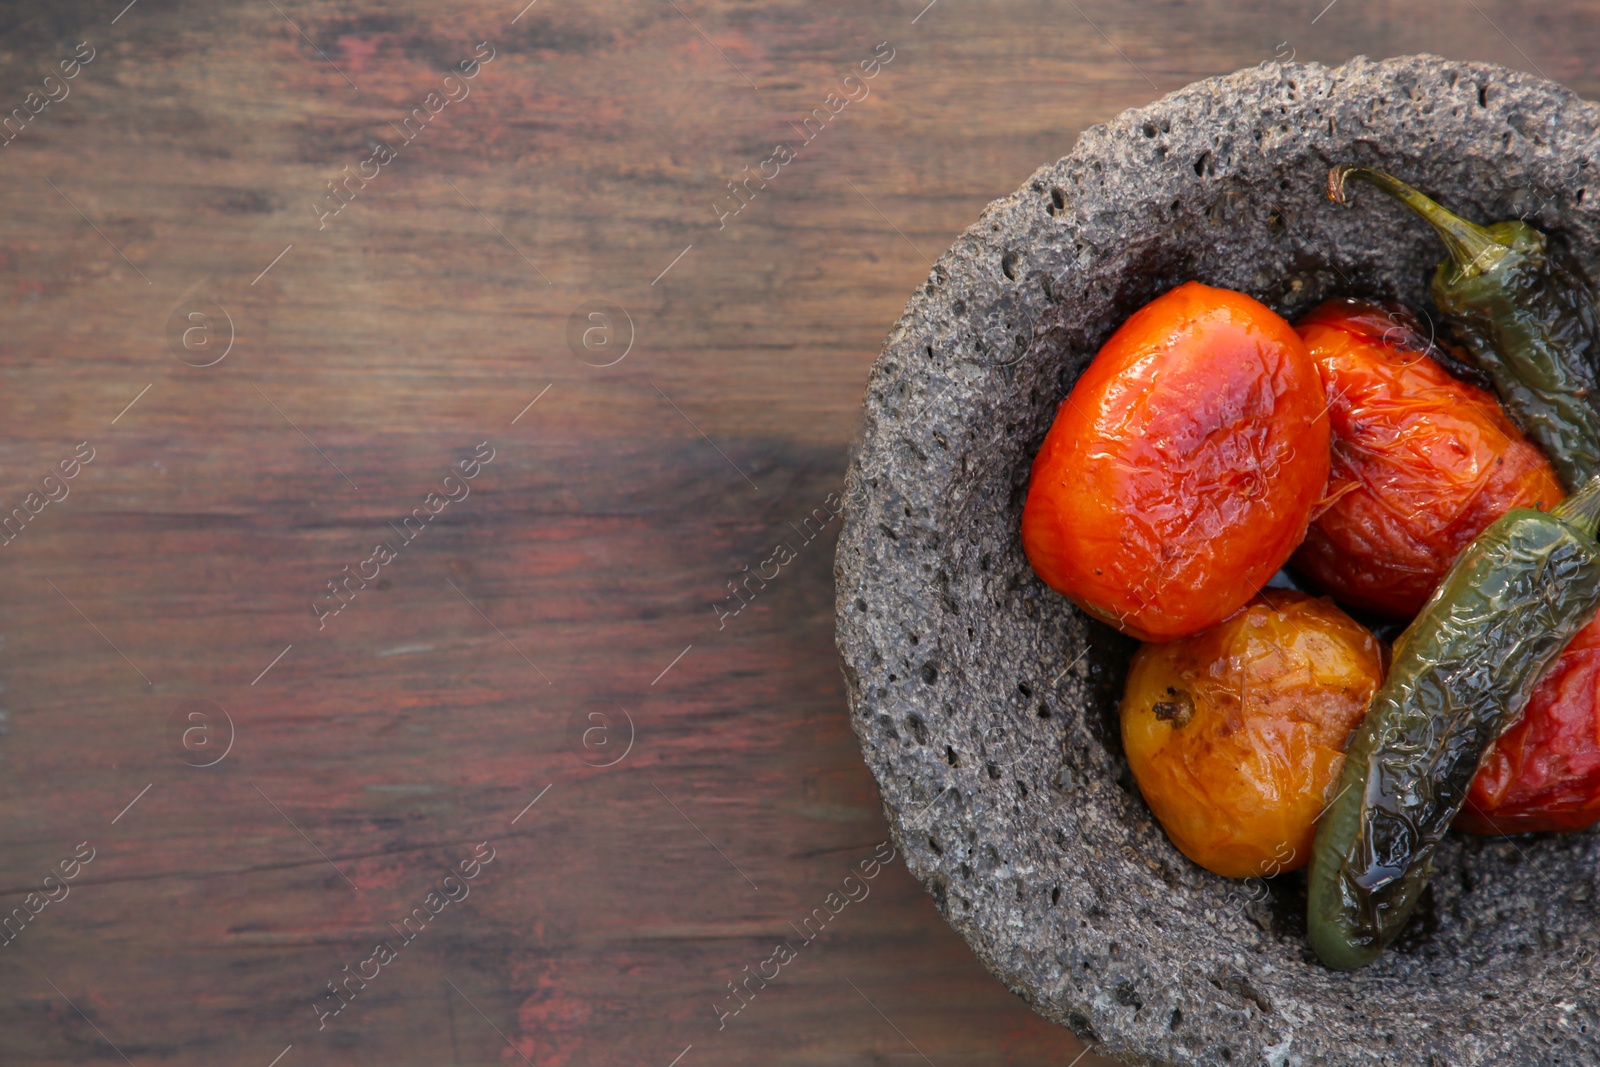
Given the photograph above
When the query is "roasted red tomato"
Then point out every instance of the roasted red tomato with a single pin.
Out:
(1544, 772)
(1422, 461)
(1181, 471)
(1236, 735)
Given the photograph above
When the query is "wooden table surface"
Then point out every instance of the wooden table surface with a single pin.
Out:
(267, 788)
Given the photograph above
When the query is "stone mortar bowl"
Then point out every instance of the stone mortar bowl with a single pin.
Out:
(986, 704)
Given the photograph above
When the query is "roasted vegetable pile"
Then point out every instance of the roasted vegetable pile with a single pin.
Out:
(1210, 442)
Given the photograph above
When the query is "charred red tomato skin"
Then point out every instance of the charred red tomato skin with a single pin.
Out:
(1422, 462)
(1181, 471)
(1543, 773)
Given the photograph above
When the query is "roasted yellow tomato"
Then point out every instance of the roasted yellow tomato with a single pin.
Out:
(1235, 735)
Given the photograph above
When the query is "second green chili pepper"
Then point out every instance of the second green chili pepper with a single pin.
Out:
(1462, 673)
(1526, 313)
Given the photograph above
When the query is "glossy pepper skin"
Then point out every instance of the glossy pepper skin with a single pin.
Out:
(1461, 673)
(1422, 461)
(1181, 471)
(1526, 313)
(1543, 774)
(1234, 735)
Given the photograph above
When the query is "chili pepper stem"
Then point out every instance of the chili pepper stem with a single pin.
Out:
(1581, 509)
(1472, 248)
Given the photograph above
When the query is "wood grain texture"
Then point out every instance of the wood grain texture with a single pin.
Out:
(377, 352)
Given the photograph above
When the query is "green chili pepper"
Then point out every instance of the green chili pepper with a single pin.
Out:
(1462, 672)
(1525, 311)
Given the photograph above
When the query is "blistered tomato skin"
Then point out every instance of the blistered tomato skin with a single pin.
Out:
(1181, 471)
(1543, 774)
(1422, 462)
(1235, 735)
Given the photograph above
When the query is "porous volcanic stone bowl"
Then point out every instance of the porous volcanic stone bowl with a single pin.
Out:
(986, 705)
